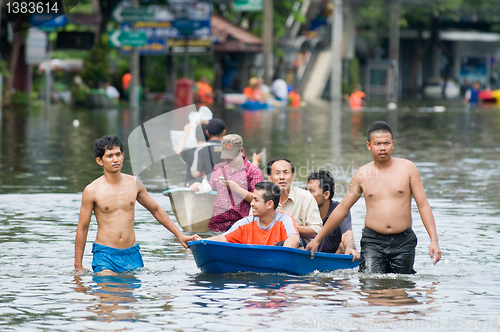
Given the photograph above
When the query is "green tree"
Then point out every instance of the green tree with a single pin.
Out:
(95, 67)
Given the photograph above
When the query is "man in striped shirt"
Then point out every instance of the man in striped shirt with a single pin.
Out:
(266, 226)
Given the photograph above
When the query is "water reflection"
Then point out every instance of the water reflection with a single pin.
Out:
(394, 292)
(271, 291)
(114, 294)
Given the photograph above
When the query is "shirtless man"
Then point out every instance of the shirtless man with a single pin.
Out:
(388, 242)
(112, 198)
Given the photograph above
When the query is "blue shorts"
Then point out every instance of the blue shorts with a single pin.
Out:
(116, 260)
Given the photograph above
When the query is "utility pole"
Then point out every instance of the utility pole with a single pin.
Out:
(134, 71)
(394, 48)
(336, 76)
(268, 41)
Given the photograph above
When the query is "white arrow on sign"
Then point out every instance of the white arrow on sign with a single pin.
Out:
(117, 14)
(114, 38)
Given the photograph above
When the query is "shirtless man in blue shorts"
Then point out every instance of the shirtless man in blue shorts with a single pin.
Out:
(112, 197)
(388, 184)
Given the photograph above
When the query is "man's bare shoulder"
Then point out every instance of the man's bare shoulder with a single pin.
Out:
(133, 180)
(402, 163)
(364, 171)
(94, 185)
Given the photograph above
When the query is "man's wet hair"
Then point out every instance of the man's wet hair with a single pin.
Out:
(327, 183)
(378, 126)
(270, 165)
(108, 142)
(271, 192)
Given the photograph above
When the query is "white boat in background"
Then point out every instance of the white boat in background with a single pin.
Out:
(433, 88)
(192, 211)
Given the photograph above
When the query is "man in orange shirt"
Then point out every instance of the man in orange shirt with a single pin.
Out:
(267, 226)
(357, 98)
(203, 92)
(252, 91)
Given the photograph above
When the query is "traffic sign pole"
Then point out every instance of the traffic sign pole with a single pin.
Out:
(134, 63)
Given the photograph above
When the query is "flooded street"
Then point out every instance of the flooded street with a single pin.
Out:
(47, 159)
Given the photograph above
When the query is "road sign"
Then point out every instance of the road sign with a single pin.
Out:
(36, 46)
(119, 38)
(153, 47)
(135, 14)
(48, 22)
(185, 26)
(247, 5)
(165, 30)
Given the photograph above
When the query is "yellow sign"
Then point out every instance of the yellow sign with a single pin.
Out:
(190, 43)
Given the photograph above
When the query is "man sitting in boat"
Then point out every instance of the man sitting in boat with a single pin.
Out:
(234, 180)
(341, 241)
(296, 202)
(252, 91)
(266, 226)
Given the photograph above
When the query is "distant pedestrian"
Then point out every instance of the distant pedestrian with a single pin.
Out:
(79, 92)
(471, 97)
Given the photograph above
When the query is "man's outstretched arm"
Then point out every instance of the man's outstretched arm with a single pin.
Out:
(340, 212)
(156, 210)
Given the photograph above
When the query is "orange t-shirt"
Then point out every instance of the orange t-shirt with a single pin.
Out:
(249, 231)
(356, 99)
(204, 90)
(126, 81)
(251, 93)
(293, 99)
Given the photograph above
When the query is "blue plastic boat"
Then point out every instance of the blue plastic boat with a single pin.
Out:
(222, 257)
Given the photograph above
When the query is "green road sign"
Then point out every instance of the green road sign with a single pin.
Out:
(120, 38)
(247, 5)
(134, 14)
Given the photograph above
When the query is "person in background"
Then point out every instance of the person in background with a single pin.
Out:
(234, 180)
(79, 92)
(207, 155)
(111, 91)
(357, 98)
(187, 155)
(127, 77)
(341, 241)
(294, 98)
(203, 92)
(471, 97)
(279, 89)
(252, 91)
(266, 226)
(264, 89)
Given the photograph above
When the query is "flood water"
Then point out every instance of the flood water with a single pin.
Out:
(46, 160)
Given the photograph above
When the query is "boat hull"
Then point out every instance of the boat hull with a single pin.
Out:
(222, 257)
(192, 211)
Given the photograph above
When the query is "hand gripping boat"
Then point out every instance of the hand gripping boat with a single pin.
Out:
(222, 257)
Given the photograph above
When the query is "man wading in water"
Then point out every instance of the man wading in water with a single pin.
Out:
(388, 242)
(112, 198)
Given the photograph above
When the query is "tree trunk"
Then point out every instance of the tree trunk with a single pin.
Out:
(449, 65)
(106, 13)
(13, 60)
(420, 50)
